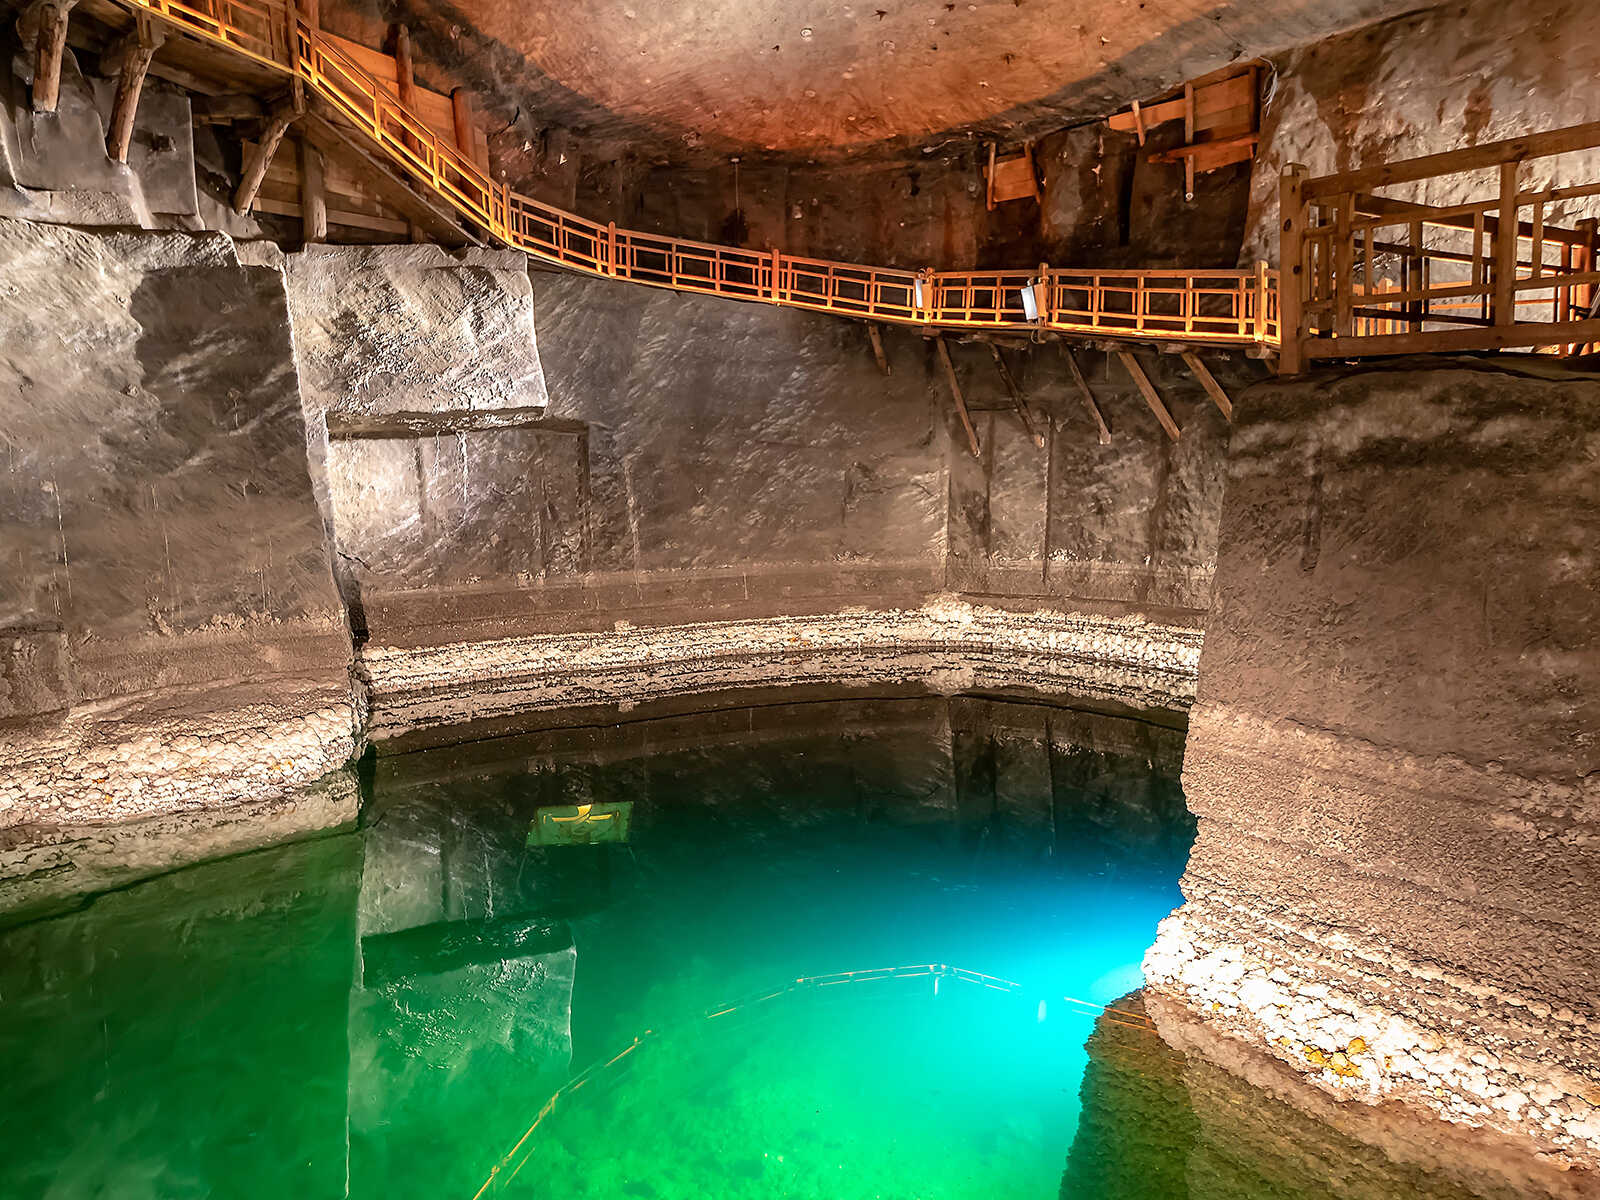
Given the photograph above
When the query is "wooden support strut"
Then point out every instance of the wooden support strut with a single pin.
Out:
(1016, 397)
(313, 194)
(875, 336)
(405, 82)
(255, 171)
(44, 23)
(1293, 213)
(130, 61)
(1148, 391)
(961, 401)
(1505, 249)
(465, 126)
(1208, 381)
(1088, 396)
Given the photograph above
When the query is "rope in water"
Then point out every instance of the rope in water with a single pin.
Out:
(938, 971)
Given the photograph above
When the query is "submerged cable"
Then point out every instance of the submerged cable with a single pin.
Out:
(936, 971)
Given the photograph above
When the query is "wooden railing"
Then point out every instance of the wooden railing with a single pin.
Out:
(1220, 307)
(1369, 274)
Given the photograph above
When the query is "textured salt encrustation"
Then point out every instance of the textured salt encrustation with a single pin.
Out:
(949, 645)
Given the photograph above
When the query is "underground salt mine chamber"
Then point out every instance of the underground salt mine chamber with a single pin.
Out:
(755, 598)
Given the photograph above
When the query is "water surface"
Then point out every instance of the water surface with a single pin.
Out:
(780, 952)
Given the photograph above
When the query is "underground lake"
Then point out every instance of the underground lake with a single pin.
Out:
(846, 948)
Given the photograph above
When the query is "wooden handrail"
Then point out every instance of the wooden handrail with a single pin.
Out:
(1218, 307)
(1452, 162)
(1380, 275)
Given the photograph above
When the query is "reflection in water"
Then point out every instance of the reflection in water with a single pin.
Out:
(1190, 1114)
(384, 1013)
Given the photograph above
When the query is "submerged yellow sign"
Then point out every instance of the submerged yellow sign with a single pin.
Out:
(581, 824)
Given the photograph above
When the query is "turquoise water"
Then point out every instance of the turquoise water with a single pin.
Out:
(385, 1012)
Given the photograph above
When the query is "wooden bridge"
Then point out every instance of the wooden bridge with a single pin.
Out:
(1367, 274)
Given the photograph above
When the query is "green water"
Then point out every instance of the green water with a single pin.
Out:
(384, 1012)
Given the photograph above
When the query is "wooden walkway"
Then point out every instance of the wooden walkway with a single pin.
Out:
(1364, 274)
(1231, 308)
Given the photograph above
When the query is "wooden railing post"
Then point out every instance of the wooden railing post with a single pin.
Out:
(308, 11)
(776, 281)
(1584, 256)
(1344, 266)
(1291, 269)
(1259, 324)
(1505, 248)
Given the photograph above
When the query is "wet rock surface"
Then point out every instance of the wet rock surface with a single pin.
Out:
(1392, 753)
(166, 573)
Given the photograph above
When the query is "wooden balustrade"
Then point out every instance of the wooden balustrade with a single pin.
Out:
(1220, 307)
(1368, 274)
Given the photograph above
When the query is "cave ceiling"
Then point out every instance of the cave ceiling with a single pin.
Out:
(700, 80)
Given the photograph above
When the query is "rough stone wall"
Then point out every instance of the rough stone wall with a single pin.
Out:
(167, 604)
(422, 389)
(1437, 80)
(701, 460)
(1397, 879)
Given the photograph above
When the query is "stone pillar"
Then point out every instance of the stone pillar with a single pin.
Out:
(1396, 884)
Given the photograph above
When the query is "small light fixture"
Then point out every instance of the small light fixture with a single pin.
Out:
(1030, 301)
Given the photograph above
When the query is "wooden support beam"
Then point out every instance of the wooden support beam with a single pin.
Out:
(255, 170)
(1017, 401)
(130, 61)
(1148, 391)
(1586, 298)
(1088, 396)
(465, 124)
(1368, 205)
(1454, 341)
(404, 69)
(1505, 249)
(44, 25)
(955, 390)
(313, 194)
(1188, 138)
(1293, 213)
(1208, 381)
(384, 181)
(875, 336)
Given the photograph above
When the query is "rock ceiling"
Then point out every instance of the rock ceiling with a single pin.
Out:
(708, 78)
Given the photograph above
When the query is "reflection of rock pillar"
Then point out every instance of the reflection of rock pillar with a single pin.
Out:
(465, 1012)
(1136, 1125)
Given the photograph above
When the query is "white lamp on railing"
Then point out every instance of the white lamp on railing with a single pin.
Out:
(1030, 300)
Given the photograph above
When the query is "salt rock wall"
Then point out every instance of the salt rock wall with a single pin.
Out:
(700, 460)
(171, 633)
(1396, 883)
(1436, 80)
(424, 398)
(741, 438)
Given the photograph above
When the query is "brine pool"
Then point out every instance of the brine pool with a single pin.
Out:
(846, 949)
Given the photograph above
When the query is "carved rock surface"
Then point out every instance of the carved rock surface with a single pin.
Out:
(1396, 884)
(165, 571)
